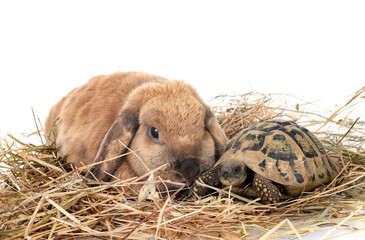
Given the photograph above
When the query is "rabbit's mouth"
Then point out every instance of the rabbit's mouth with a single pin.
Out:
(178, 175)
(177, 179)
(187, 170)
(174, 179)
(170, 187)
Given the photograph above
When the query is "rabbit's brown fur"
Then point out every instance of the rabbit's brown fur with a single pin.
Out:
(100, 119)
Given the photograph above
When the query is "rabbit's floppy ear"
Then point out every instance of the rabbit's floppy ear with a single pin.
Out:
(114, 144)
(121, 133)
(217, 133)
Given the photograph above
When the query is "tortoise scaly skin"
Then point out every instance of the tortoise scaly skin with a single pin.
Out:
(272, 160)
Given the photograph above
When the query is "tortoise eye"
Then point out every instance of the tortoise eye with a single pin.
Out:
(237, 169)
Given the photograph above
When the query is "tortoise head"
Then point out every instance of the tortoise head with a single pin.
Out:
(232, 172)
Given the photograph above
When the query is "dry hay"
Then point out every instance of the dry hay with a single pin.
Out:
(39, 199)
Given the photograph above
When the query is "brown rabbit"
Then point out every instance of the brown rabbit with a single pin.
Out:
(166, 121)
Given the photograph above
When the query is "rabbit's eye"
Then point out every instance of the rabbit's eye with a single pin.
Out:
(154, 135)
(154, 132)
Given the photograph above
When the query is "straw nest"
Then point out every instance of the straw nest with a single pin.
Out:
(39, 199)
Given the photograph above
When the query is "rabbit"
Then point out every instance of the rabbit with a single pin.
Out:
(164, 121)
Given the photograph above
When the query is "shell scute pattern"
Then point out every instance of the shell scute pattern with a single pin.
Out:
(253, 141)
(236, 144)
(279, 148)
(267, 126)
(305, 143)
(284, 152)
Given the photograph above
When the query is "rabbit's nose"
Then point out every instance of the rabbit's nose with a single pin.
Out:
(189, 169)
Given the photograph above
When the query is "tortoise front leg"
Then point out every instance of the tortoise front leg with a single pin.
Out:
(266, 190)
(209, 177)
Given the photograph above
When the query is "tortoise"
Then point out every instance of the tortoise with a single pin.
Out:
(271, 160)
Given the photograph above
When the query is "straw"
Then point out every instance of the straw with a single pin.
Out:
(41, 199)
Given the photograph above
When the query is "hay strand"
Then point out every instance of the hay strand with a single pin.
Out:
(40, 199)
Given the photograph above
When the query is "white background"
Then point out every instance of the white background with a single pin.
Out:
(312, 49)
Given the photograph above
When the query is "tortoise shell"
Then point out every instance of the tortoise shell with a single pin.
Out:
(283, 152)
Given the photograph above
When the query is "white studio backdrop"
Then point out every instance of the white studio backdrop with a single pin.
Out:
(314, 50)
(311, 49)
